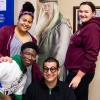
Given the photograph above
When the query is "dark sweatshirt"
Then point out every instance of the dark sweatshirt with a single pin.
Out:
(84, 47)
(39, 91)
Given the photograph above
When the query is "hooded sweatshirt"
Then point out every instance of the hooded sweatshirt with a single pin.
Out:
(84, 47)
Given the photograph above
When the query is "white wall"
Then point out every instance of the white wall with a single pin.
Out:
(66, 7)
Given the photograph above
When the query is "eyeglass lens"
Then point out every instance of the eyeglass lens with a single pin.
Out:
(52, 69)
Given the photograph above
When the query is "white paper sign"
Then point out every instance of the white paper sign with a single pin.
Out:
(2, 5)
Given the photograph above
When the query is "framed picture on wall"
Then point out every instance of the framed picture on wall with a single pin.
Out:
(76, 20)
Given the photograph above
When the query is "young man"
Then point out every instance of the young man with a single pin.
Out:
(13, 75)
(49, 88)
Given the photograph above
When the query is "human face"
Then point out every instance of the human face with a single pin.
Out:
(28, 56)
(85, 13)
(50, 72)
(48, 7)
(25, 22)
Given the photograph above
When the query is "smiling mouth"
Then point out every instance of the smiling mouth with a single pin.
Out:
(25, 27)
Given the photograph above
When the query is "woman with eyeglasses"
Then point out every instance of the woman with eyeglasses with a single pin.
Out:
(49, 88)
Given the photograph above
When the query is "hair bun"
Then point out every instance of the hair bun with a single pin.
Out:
(27, 6)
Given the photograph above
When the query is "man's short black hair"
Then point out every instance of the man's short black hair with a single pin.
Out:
(51, 59)
(30, 45)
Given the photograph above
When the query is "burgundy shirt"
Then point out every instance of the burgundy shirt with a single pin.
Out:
(84, 47)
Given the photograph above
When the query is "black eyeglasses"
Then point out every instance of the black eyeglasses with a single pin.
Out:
(52, 69)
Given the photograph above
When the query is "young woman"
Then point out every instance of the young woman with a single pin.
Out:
(83, 51)
(12, 37)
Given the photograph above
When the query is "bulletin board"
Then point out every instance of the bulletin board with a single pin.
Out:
(6, 12)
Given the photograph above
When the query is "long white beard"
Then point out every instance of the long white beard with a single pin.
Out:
(42, 23)
(45, 22)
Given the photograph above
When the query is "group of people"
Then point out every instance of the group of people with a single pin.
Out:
(65, 64)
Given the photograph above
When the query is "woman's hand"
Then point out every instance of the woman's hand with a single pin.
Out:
(77, 79)
(75, 82)
(5, 59)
